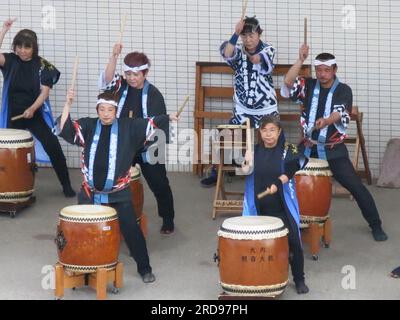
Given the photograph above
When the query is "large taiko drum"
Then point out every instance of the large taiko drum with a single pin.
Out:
(17, 163)
(314, 191)
(88, 237)
(138, 198)
(253, 256)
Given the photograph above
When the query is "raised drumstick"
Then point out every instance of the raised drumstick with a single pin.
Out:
(122, 28)
(183, 106)
(74, 72)
(244, 8)
(305, 30)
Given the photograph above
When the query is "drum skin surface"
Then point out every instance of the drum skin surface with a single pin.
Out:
(88, 237)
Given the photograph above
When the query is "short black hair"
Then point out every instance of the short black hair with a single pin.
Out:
(26, 38)
(251, 25)
(270, 119)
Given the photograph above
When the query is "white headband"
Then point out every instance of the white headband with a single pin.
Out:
(112, 102)
(328, 63)
(135, 69)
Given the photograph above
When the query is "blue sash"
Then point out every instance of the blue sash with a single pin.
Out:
(313, 115)
(144, 99)
(100, 197)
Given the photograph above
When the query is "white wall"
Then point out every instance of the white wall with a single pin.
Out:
(177, 33)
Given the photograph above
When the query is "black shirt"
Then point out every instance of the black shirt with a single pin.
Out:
(133, 103)
(100, 166)
(268, 168)
(22, 92)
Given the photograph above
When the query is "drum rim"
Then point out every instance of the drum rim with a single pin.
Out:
(87, 269)
(231, 126)
(103, 213)
(267, 290)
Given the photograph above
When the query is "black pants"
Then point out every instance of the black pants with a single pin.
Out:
(157, 180)
(133, 235)
(296, 256)
(38, 127)
(344, 173)
(131, 232)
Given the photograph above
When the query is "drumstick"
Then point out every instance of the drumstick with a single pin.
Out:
(74, 72)
(183, 106)
(244, 8)
(263, 194)
(305, 30)
(122, 28)
(17, 117)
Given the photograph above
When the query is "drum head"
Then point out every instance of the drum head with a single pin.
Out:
(315, 167)
(13, 138)
(231, 126)
(253, 228)
(88, 213)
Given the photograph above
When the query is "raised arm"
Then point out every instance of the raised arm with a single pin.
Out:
(112, 63)
(67, 108)
(6, 27)
(230, 46)
(294, 71)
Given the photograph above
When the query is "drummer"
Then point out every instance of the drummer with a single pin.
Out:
(253, 63)
(141, 99)
(108, 147)
(325, 117)
(275, 163)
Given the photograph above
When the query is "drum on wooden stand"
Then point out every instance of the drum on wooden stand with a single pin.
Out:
(314, 191)
(253, 255)
(138, 198)
(17, 166)
(88, 238)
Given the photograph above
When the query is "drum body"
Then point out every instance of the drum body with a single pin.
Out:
(17, 163)
(253, 256)
(138, 198)
(137, 191)
(88, 238)
(314, 191)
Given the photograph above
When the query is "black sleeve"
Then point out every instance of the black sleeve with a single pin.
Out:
(157, 104)
(345, 98)
(9, 58)
(49, 74)
(141, 129)
(291, 167)
(73, 131)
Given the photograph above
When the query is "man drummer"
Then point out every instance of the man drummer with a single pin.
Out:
(253, 63)
(325, 117)
(109, 145)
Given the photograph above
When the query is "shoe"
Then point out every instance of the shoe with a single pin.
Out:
(211, 180)
(69, 192)
(167, 228)
(301, 287)
(395, 273)
(148, 277)
(379, 234)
